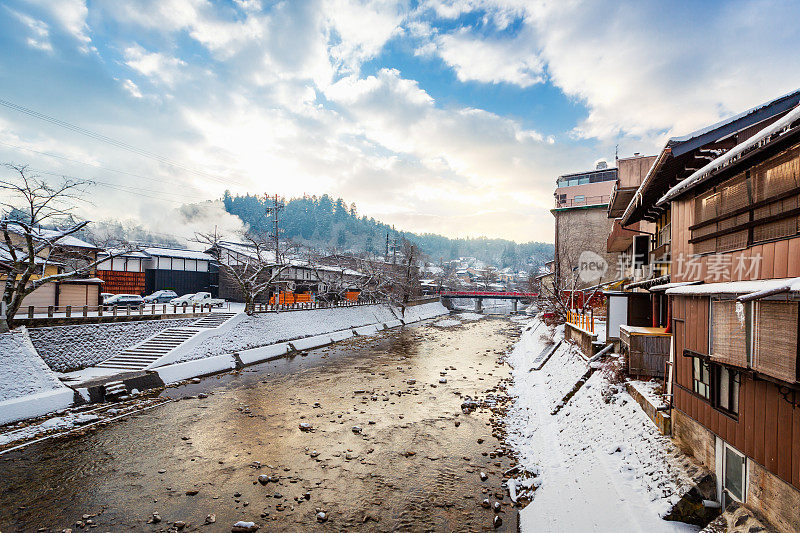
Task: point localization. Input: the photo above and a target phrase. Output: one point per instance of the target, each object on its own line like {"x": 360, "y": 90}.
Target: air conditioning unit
{"x": 290, "y": 286}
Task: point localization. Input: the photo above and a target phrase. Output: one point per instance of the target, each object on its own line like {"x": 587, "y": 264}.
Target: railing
{"x": 587, "y": 200}
{"x": 496, "y": 294}
{"x": 664, "y": 235}
{"x": 581, "y": 320}
{"x": 69, "y": 311}
{"x": 319, "y": 304}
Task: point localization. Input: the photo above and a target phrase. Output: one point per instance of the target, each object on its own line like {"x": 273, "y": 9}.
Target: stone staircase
{"x": 213, "y": 320}
{"x": 149, "y": 351}
{"x": 140, "y": 356}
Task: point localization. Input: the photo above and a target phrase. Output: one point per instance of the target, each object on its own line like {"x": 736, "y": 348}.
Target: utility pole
{"x": 273, "y": 211}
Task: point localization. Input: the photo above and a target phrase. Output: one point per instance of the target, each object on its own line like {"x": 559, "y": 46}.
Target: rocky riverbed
{"x": 399, "y": 431}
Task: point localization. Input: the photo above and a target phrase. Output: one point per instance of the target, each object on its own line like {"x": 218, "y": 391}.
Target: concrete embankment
{"x": 243, "y": 340}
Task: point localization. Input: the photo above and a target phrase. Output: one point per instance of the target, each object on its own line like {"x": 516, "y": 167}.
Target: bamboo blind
{"x": 769, "y": 179}
{"x": 775, "y": 350}
{"x": 728, "y": 337}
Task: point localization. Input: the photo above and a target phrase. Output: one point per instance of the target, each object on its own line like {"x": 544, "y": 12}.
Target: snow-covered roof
{"x": 268, "y": 256}
{"x": 762, "y": 137}
{"x": 699, "y": 137}
{"x": 729, "y": 120}
{"x": 665, "y": 286}
{"x": 736, "y": 287}
{"x": 154, "y": 251}
{"x": 53, "y": 234}
{"x": 118, "y": 252}
{"x": 5, "y": 255}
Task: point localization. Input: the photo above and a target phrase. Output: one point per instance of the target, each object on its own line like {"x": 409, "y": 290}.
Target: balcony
{"x": 620, "y": 198}
{"x": 619, "y": 239}
{"x": 582, "y": 201}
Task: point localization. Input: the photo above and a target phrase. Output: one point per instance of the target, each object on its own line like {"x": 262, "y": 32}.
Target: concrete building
{"x": 582, "y": 224}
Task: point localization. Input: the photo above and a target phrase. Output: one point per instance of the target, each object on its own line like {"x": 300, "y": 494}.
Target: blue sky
{"x": 452, "y": 117}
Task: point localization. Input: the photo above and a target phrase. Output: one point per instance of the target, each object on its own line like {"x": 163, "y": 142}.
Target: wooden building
{"x": 734, "y": 297}
{"x": 123, "y": 274}
{"x": 155, "y": 268}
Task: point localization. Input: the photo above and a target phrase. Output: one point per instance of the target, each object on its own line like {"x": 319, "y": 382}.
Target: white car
{"x": 198, "y": 298}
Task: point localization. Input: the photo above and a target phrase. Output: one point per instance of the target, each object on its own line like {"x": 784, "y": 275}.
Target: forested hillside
{"x": 327, "y": 222}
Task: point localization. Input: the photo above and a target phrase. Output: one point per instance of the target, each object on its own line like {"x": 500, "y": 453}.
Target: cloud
{"x": 156, "y": 66}
{"x": 132, "y": 88}
{"x": 38, "y": 32}
{"x": 70, "y": 15}
{"x": 362, "y": 28}
{"x": 511, "y": 60}
{"x": 644, "y": 73}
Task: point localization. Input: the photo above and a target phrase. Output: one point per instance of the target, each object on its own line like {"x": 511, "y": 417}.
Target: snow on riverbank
{"x": 604, "y": 466}
{"x": 22, "y": 371}
{"x": 265, "y": 329}
{"x": 28, "y": 387}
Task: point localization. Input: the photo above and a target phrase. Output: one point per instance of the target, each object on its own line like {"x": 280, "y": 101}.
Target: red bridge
{"x": 491, "y": 295}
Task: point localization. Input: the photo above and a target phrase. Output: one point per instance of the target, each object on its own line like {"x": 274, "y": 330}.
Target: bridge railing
{"x": 495, "y": 294}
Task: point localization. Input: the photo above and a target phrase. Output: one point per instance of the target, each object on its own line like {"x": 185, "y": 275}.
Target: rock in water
{"x": 497, "y": 522}
{"x": 321, "y": 516}
{"x": 263, "y": 479}
{"x": 496, "y": 507}
{"x": 155, "y": 519}
{"x": 244, "y": 527}
{"x": 356, "y": 429}
{"x": 486, "y": 504}
{"x": 305, "y": 426}
{"x": 210, "y": 519}
{"x": 484, "y": 477}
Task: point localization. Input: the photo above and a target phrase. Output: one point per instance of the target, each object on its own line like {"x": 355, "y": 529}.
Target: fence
{"x": 68, "y": 311}
{"x": 581, "y": 320}
{"x": 272, "y": 307}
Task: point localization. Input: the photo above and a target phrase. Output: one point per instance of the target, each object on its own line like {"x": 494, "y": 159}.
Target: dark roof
{"x": 682, "y": 156}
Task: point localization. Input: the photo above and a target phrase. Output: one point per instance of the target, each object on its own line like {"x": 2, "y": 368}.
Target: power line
{"x": 94, "y": 165}
{"x": 108, "y": 140}
{"x": 126, "y": 188}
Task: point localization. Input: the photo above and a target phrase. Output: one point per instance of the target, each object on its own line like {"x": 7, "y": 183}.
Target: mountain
{"x": 325, "y": 222}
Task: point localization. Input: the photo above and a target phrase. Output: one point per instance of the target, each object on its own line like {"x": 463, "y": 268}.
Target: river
{"x": 388, "y": 447}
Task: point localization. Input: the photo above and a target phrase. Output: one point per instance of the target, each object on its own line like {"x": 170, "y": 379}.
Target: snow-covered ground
{"x": 603, "y": 466}
{"x": 22, "y": 371}
{"x": 28, "y": 388}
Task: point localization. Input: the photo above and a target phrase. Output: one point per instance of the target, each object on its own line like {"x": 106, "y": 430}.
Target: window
{"x": 733, "y": 475}
{"x": 579, "y": 198}
{"x": 718, "y": 384}
{"x": 728, "y": 335}
{"x": 726, "y": 389}
{"x": 701, "y": 378}
{"x": 775, "y": 335}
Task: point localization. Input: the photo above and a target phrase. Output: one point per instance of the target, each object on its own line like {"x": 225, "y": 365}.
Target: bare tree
{"x": 29, "y": 250}
{"x": 488, "y": 276}
{"x": 252, "y": 264}
{"x": 446, "y": 276}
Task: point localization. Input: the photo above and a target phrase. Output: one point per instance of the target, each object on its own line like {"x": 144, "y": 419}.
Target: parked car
{"x": 160, "y": 297}
{"x": 124, "y": 300}
{"x": 105, "y": 296}
{"x": 198, "y": 298}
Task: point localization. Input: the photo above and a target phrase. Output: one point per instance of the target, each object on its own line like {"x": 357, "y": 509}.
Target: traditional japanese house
{"x": 734, "y": 299}
{"x": 653, "y": 258}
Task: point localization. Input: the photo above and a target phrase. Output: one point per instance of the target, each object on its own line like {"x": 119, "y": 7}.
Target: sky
{"x": 451, "y": 117}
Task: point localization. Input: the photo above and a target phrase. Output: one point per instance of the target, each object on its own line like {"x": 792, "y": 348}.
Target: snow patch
{"x": 604, "y": 466}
